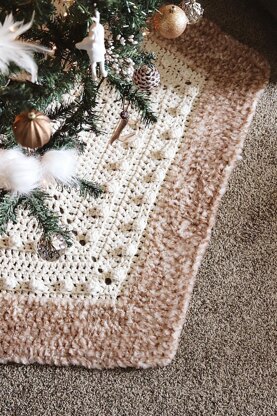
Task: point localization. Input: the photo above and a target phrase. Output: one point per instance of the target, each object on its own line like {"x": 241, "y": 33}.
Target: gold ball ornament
{"x": 170, "y": 21}
{"x": 32, "y": 129}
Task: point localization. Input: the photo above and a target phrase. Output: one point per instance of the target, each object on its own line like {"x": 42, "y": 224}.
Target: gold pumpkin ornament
{"x": 32, "y": 129}
{"x": 170, "y": 21}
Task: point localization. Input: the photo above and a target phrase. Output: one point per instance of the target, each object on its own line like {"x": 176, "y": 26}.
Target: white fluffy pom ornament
{"x": 60, "y": 165}
{"x": 23, "y": 174}
{"x": 19, "y": 173}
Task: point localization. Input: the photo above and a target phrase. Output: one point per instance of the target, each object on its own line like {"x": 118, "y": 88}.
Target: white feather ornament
{"x": 19, "y": 52}
{"x": 19, "y": 173}
{"x": 60, "y": 165}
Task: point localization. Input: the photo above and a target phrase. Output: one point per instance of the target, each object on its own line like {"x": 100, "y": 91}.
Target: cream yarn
{"x": 109, "y": 230}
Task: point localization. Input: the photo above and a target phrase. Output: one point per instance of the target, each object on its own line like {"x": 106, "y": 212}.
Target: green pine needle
{"x": 8, "y": 207}
{"x": 48, "y": 221}
{"x": 88, "y": 188}
{"x": 69, "y": 67}
{"x": 59, "y": 75}
{"x": 139, "y": 99}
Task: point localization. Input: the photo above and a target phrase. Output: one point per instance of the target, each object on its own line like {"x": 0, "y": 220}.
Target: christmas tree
{"x": 39, "y": 92}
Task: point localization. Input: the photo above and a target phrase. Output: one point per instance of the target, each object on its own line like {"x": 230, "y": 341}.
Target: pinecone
{"x": 193, "y": 10}
{"x": 147, "y": 77}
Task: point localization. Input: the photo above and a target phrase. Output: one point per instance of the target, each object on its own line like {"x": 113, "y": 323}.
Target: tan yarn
{"x": 108, "y": 231}
{"x": 138, "y": 322}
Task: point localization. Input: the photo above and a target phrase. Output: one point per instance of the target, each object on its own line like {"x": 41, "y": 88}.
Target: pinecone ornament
{"x": 193, "y": 10}
{"x": 147, "y": 77}
{"x": 47, "y": 251}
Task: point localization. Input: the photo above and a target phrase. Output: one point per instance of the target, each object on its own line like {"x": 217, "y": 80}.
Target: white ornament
{"x": 16, "y": 51}
{"x": 60, "y": 165}
{"x": 23, "y": 174}
{"x": 19, "y": 173}
{"x": 94, "y": 45}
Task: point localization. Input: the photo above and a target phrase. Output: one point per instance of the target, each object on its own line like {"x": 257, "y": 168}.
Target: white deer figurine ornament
{"x": 94, "y": 44}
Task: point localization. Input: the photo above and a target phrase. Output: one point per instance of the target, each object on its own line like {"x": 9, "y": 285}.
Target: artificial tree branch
{"x": 8, "y": 206}
{"x": 48, "y": 221}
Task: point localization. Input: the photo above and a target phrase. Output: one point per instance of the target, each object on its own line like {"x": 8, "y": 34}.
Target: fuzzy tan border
{"x": 143, "y": 329}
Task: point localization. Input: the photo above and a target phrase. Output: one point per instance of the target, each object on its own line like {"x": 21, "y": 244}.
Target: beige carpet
{"x": 225, "y": 361}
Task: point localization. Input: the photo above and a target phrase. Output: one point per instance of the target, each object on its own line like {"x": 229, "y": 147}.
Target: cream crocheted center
{"x": 108, "y": 230}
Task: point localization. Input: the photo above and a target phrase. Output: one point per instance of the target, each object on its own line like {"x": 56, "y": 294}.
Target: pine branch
{"x": 139, "y": 99}
{"x": 69, "y": 66}
{"x": 36, "y": 203}
{"x": 86, "y": 188}
{"x": 48, "y": 221}
{"x": 8, "y": 206}
{"x": 60, "y": 74}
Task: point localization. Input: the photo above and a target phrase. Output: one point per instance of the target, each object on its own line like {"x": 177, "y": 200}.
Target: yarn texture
{"x": 119, "y": 296}
{"x": 108, "y": 230}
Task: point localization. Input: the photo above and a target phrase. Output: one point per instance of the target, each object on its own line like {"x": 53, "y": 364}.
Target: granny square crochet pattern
{"x": 119, "y": 296}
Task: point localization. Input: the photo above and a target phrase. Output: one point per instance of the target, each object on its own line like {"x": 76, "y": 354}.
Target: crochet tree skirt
{"x": 119, "y": 296}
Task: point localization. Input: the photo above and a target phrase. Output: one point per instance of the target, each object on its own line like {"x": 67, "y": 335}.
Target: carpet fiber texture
{"x": 225, "y": 362}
